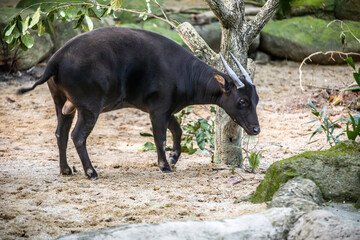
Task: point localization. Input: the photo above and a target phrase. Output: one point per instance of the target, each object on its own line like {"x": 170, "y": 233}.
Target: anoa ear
{"x": 224, "y": 86}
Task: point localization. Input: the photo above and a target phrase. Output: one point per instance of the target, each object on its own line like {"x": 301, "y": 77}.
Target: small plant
{"x": 326, "y": 124}
{"x": 200, "y": 131}
{"x": 356, "y": 75}
{"x": 355, "y": 123}
{"x": 253, "y": 156}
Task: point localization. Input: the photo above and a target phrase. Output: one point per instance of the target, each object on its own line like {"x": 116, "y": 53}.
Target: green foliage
{"x": 198, "y": 135}
{"x": 326, "y": 124}
{"x": 355, "y": 124}
{"x": 253, "y": 158}
{"x": 252, "y": 155}
{"x": 17, "y": 33}
{"x": 356, "y": 75}
{"x": 39, "y": 15}
{"x": 200, "y": 131}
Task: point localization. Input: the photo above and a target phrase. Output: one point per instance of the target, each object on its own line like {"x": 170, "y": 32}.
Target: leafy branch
{"x": 17, "y": 33}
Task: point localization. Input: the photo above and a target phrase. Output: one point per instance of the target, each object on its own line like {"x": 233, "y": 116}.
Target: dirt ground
{"x": 36, "y": 202}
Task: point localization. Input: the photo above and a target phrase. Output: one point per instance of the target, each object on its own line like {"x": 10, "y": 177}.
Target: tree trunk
{"x": 237, "y": 35}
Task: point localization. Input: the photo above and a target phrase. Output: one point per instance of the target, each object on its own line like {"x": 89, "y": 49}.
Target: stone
{"x": 304, "y": 7}
{"x": 298, "y": 37}
{"x": 348, "y": 9}
{"x": 322, "y": 224}
{"x": 211, "y": 33}
{"x": 299, "y": 193}
{"x": 64, "y": 31}
{"x": 335, "y": 171}
{"x": 23, "y": 59}
{"x": 262, "y": 57}
{"x": 274, "y": 223}
{"x": 158, "y": 27}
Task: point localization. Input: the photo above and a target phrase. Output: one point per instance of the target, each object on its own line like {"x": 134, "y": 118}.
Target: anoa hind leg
{"x": 65, "y": 119}
{"x": 176, "y": 131}
{"x": 84, "y": 125}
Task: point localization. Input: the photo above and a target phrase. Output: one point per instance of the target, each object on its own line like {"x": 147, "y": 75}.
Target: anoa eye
{"x": 243, "y": 101}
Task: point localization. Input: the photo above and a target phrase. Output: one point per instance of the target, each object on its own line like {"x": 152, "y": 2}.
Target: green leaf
{"x": 49, "y": 21}
{"x": 149, "y": 146}
{"x": 357, "y": 78}
{"x": 312, "y": 121}
{"x": 350, "y": 61}
{"x": 146, "y": 134}
{"x": 41, "y": 28}
{"x": 35, "y": 18}
{"x": 79, "y": 22}
{"x": 89, "y": 23}
{"x": 353, "y": 89}
{"x": 316, "y": 131}
{"x": 25, "y": 25}
{"x": 116, "y": 4}
{"x": 9, "y": 39}
{"x": 322, "y": 112}
{"x": 200, "y": 139}
{"x": 27, "y": 40}
{"x": 92, "y": 14}
{"x": 10, "y": 29}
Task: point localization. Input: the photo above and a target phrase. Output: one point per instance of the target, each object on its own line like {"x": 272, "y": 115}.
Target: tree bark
{"x": 237, "y": 35}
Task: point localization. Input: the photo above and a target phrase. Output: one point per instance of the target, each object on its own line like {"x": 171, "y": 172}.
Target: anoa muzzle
{"x": 112, "y": 68}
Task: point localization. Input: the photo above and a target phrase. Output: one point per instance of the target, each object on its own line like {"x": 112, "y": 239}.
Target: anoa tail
{"x": 49, "y": 72}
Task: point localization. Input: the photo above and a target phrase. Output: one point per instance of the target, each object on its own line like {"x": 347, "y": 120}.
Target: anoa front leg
{"x": 159, "y": 124}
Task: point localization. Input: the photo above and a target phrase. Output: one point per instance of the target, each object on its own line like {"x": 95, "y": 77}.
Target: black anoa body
{"x": 113, "y": 68}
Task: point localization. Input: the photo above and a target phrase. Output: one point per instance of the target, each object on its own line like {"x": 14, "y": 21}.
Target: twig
{"x": 324, "y": 53}
{"x": 343, "y": 32}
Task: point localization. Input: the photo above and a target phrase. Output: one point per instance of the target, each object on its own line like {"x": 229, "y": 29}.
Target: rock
{"x": 24, "y": 59}
{"x": 255, "y": 44}
{"x": 335, "y": 171}
{"x": 158, "y": 27}
{"x": 322, "y": 224}
{"x": 211, "y": 33}
{"x": 298, "y": 37}
{"x": 299, "y": 193}
{"x": 271, "y": 224}
{"x": 304, "y": 7}
{"x": 262, "y": 57}
{"x": 64, "y": 31}
{"x": 348, "y": 9}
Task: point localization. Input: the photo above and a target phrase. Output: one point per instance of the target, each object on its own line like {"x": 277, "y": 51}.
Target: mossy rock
{"x": 298, "y": 37}
{"x": 304, "y": 7}
{"x": 348, "y": 9}
{"x": 157, "y": 27}
{"x": 335, "y": 171}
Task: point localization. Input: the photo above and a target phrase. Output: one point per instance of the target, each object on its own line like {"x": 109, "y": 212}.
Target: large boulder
{"x": 23, "y": 59}
{"x": 298, "y": 193}
{"x": 335, "y": 171}
{"x": 271, "y": 224}
{"x": 322, "y": 224}
{"x": 298, "y": 37}
{"x": 304, "y": 7}
{"x": 348, "y": 9}
{"x": 64, "y": 31}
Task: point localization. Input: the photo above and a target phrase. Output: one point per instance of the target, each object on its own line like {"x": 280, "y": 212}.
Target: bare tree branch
{"x": 196, "y": 43}
{"x": 308, "y": 58}
{"x": 265, "y": 14}
{"x": 228, "y": 15}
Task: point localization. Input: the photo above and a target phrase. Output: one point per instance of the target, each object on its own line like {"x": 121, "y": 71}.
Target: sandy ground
{"x": 36, "y": 202}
